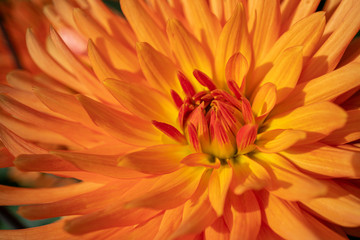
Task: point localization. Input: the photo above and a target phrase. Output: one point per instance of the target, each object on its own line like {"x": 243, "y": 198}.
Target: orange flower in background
{"x": 189, "y": 120}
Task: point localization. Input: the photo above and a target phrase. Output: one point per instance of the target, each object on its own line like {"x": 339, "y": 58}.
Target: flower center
{"x": 214, "y": 121}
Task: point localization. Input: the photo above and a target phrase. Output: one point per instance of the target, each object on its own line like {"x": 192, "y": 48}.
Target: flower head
{"x": 190, "y": 120}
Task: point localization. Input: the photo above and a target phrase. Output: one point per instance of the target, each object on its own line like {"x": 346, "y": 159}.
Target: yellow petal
{"x": 188, "y": 50}
{"x": 125, "y": 127}
{"x": 204, "y": 23}
{"x": 201, "y": 159}
{"x": 317, "y": 120}
{"x": 325, "y": 160}
{"x": 144, "y": 26}
{"x": 286, "y": 218}
{"x": 306, "y": 33}
{"x": 143, "y": 101}
{"x": 266, "y": 27}
{"x": 349, "y": 133}
{"x": 234, "y": 38}
{"x": 289, "y": 183}
{"x": 247, "y": 175}
{"x": 264, "y": 101}
{"x": 170, "y": 190}
{"x": 285, "y": 72}
{"x": 101, "y": 67}
{"x": 159, "y": 70}
{"x": 338, "y": 206}
{"x": 245, "y": 216}
{"x": 236, "y": 69}
{"x": 218, "y": 187}
{"x": 278, "y": 140}
{"x": 331, "y": 51}
{"x": 303, "y": 9}
{"x": 324, "y": 88}
{"x": 159, "y": 159}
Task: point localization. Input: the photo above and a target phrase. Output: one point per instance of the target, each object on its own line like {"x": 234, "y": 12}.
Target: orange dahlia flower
{"x": 189, "y": 120}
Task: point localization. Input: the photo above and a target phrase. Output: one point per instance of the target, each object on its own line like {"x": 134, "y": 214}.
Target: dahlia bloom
{"x": 189, "y": 120}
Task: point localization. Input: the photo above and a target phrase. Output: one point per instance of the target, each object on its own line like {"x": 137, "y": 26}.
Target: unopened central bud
{"x": 215, "y": 121}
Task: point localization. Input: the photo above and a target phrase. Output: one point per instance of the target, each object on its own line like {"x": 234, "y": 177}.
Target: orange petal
{"x": 325, "y": 231}
{"x": 265, "y": 32}
{"x": 120, "y": 56}
{"x": 158, "y": 69}
{"x": 16, "y": 145}
{"x": 218, "y": 188}
{"x": 325, "y": 160}
{"x": 170, "y": 190}
{"x": 278, "y": 140}
{"x": 104, "y": 165}
{"x": 72, "y": 130}
{"x": 245, "y": 138}
{"x": 82, "y": 73}
{"x": 146, "y": 230}
{"x": 200, "y": 214}
{"x": 289, "y": 183}
{"x": 159, "y": 159}
{"x": 236, "y": 69}
{"x": 64, "y": 104}
{"x": 338, "y": 206}
{"x": 247, "y": 175}
{"x": 204, "y": 23}
{"x": 142, "y": 101}
{"x": 144, "y": 25}
{"x": 170, "y": 221}
{"x": 48, "y": 65}
{"x": 50, "y": 231}
{"x": 113, "y": 216}
{"x": 125, "y": 127}
{"x": 264, "y": 101}
{"x": 303, "y": 9}
{"x": 306, "y": 33}
{"x": 349, "y": 133}
{"x": 218, "y": 230}
{"x": 6, "y": 158}
{"x": 22, "y": 196}
{"x": 245, "y": 216}
{"x": 317, "y": 120}
{"x": 101, "y": 67}
{"x": 80, "y": 204}
{"x": 286, "y": 218}
{"x": 285, "y": 72}
{"x": 324, "y": 88}
{"x": 43, "y": 163}
{"x": 234, "y": 38}
{"x": 266, "y": 233}
{"x": 201, "y": 159}
{"x": 188, "y": 50}
{"x": 346, "y": 26}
